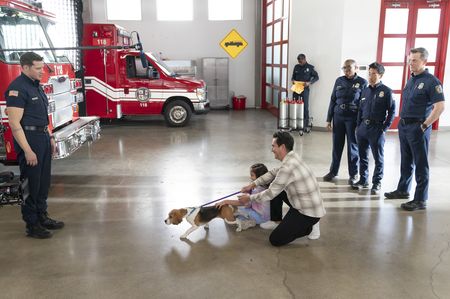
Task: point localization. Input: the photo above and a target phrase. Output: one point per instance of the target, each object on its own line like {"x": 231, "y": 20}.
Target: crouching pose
{"x": 296, "y": 184}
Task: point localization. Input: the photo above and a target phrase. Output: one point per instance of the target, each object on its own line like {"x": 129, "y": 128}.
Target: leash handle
{"x": 205, "y": 204}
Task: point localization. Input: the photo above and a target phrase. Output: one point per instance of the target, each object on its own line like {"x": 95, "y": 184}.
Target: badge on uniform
{"x": 13, "y": 93}
{"x": 381, "y": 94}
{"x": 421, "y": 85}
{"x": 438, "y": 88}
{"x": 363, "y": 99}
{"x": 356, "y": 85}
{"x": 307, "y": 69}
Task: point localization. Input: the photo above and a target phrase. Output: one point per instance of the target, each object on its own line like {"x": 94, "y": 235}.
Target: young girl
{"x": 254, "y": 212}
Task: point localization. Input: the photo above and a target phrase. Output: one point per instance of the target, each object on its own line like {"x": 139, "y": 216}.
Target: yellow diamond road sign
{"x": 233, "y": 43}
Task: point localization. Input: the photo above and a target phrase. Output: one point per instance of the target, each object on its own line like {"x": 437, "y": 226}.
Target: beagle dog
{"x": 198, "y": 216}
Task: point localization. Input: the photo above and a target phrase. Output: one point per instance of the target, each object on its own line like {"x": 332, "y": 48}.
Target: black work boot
{"x": 414, "y": 205}
{"x": 396, "y": 194}
{"x": 352, "y": 180}
{"x": 360, "y": 184}
{"x": 37, "y": 231}
{"x": 329, "y": 177}
{"x": 50, "y": 223}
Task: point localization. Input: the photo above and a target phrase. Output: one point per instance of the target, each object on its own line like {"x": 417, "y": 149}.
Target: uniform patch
{"x": 421, "y": 85}
{"x": 381, "y": 94}
{"x": 438, "y": 88}
{"x": 356, "y": 85}
{"x": 13, "y": 93}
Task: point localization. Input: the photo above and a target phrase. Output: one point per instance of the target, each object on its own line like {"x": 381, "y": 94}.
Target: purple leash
{"x": 220, "y": 199}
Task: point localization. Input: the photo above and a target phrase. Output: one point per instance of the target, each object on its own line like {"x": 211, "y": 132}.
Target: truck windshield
{"x": 166, "y": 69}
{"x": 21, "y": 30}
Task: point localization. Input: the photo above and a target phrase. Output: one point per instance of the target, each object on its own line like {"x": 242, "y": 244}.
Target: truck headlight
{"x": 201, "y": 94}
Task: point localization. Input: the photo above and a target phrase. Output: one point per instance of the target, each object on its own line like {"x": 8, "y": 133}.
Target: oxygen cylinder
{"x": 300, "y": 114}
{"x": 283, "y": 117}
{"x": 293, "y": 114}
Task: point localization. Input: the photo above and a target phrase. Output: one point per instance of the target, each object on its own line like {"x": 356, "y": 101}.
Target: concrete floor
{"x": 115, "y": 194}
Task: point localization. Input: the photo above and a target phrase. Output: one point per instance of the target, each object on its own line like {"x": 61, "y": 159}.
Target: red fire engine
{"x": 129, "y": 82}
{"x": 24, "y": 26}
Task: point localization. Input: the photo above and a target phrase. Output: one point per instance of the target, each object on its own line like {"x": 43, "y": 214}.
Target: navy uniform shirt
{"x": 419, "y": 95}
{"x": 305, "y": 73}
{"x": 348, "y": 92}
{"x": 377, "y": 104}
{"x": 27, "y": 94}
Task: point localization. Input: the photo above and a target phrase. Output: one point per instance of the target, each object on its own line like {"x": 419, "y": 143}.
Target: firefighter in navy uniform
{"x": 375, "y": 116}
{"x": 304, "y": 72}
{"x": 28, "y": 118}
{"x": 343, "y": 111}
{"x": 422, "y": 104}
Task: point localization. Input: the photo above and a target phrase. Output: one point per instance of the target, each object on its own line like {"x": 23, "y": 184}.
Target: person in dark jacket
{"x": 343, "y": 112}
{"x": 304, "y": 74}
{"x": 34, "y": 143}
{"x": 375, "y": 116}
{"x": 422, "y": 104}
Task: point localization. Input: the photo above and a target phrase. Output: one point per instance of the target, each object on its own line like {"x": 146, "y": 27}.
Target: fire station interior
{"x": 115, "y": 193}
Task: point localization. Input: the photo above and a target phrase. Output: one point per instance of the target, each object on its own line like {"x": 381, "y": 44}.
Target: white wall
{"x": 194, "y": 39}
{"x": 328, "y": 32}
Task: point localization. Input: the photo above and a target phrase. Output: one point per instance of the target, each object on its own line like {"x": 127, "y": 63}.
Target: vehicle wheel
{"x": 177, "y": 114}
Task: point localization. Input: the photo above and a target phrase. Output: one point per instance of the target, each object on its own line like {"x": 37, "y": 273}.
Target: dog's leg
{"x": 190, "y": 230}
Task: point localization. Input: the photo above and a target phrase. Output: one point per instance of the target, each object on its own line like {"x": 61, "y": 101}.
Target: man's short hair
{"x": 423, "y": 52}
{"x": 378, "y": 67}
{"x": 29, "y": 57}
{"x": 350, "y": 61}
{"x": 284, "y": 138}
{"x": 301, "y": 56}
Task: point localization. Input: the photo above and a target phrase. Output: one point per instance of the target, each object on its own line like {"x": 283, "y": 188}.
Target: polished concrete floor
{"x": 115, "y": 194}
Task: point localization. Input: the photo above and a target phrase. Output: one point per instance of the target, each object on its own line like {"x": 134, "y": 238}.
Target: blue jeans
{"x": 252, "y": 214}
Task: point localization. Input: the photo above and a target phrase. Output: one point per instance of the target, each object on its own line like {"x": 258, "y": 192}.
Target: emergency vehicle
{"x": 122, "y": 82}
{"x": 26, "y": 26}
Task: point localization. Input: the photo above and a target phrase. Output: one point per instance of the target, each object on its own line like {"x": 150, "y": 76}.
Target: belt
{"x": 372, "y": 121}
{"x": 348, "y": 106}
{"x": 407, "y": 121}
{"x": 42, "y": 129}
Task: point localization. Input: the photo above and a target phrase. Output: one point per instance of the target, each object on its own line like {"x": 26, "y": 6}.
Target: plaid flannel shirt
{"x": 299, "y": 182}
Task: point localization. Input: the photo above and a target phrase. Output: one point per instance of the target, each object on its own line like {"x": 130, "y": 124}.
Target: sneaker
{"x": 38, "y": 232}
{"x": 375, "y": 187}
{"x": 269, "y": 225}
{"x": 329, "y": 177}
{"x": 396, "y": 194}
{"x": 352, "y": 180}
{"x": 50, "y": 223}
{"x": 414, "y": 205}
{"x": 315, "y": 233}
{"x": 360, "y": 184}
{"x": 245, "y": 224}
{"x": 307, "y": 130}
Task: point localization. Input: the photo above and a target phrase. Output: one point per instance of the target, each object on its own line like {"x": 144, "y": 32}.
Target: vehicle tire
{"x": 177, "y": 114}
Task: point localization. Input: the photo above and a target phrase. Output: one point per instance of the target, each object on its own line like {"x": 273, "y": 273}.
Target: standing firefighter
{"x": 28, "y": 118}
{"x": 303, "y": 76}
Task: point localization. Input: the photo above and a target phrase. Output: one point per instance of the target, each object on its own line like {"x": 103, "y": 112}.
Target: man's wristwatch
{"x": 423, "y": 127}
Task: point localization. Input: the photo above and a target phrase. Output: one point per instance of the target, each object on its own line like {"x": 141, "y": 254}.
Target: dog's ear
{"x": 176, "y": 216}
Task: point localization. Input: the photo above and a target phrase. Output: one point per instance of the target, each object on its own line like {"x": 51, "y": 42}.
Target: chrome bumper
{"x": 201, "y": 107}
{"x": 73, "y": 136}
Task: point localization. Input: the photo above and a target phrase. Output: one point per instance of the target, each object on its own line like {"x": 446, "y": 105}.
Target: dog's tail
{"x": 230, "y": 222}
